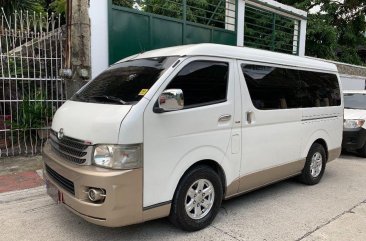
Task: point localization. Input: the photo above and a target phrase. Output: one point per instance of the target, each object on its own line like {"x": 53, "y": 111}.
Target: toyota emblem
{"x": 60, "y": 134}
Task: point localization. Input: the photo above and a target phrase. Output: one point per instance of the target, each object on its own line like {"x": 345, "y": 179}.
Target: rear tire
{"x": 314, "y": 166}
{"x": 197, "y": 199}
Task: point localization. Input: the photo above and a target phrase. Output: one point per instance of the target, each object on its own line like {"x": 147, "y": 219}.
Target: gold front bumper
{"x": 123, "y": 203}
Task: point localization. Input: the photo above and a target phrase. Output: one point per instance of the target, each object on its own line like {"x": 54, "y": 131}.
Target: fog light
{"x": 96, "y": 195}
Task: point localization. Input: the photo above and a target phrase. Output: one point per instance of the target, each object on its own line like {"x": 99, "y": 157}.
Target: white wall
{"x": 240, "y": 22}
{"x": 98, "y": 13}
{"x": 302, "y": 40}
{"x": 353, "y": 82}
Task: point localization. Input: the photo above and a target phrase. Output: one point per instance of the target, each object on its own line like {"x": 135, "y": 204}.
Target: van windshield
{"x": 125, "y": 83}
{"x": 355, "y": 101}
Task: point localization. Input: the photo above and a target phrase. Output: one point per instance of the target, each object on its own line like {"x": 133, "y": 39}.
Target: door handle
{"x": 225, "y": 118}
{"x": 249, "y": 117}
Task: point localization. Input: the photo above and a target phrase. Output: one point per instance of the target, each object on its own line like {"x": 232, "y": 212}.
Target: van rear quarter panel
{"x": 322, "y": 123}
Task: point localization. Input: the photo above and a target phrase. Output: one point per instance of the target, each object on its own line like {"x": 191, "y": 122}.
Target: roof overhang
{"x": 279, "y": 8}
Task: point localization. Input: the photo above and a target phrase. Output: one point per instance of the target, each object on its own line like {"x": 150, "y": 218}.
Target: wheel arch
{"x": 210, "y": 164}
{"x": 321, "y": 137}
{"x": 323, "y": 143}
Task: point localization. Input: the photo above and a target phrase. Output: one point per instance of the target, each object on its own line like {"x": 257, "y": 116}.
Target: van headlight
{"x": 351, "y": 124}
{"x": 118, "y": 156}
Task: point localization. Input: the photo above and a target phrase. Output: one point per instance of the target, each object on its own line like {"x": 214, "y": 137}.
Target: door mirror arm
{"x": 157, "y": 109}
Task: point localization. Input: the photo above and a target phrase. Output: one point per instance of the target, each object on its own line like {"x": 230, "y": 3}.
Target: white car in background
{"x": 354, "y": 132}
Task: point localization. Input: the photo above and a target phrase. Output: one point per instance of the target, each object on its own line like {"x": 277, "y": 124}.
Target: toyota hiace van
{"x": 173, "y": 132}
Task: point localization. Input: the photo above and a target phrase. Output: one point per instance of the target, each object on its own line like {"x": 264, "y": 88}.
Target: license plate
{"x": 53, "y": 192}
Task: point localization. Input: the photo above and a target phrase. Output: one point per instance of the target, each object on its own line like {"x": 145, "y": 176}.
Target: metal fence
{"x": 267, "y": 30}
{"x": 31, "y": 55}
{"x": 214, "y": 13}
{"x": 137, "y": 26}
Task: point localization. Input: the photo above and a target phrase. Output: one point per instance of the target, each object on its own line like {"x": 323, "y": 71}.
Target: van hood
{"x": 354, "y": 114}
{"x": 92, "y": 122}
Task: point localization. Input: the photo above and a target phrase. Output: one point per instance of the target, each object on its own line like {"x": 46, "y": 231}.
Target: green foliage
{"x": 123, "y": 3}
{"x": 266, "y": 30}
{"x": 207, "y": 12}
{"x": 321, "y": 39}
{"x": 33, "y": 113}
{"x": 12, "y": 71}
{"x": 349, "y": 55}
{"x": 26, "y": 5}
{"x": 172, "y": 9}
{"x": 38, "y": 6}
{"x": 335, "y": 30}
{"x": 58, "y": 6}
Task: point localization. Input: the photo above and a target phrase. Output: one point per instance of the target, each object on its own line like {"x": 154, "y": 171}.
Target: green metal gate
{"x": 138, "y": 26}
{"x": 268, "y": 30}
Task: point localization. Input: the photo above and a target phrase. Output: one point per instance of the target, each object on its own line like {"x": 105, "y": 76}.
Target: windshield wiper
{"x": 110, "y": 98}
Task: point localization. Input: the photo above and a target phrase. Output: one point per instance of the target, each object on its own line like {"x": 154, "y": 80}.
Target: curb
{"x": 25, "y": 194}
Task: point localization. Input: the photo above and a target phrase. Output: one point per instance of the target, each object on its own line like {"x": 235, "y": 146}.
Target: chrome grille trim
{"x": 67, "y": 149}
{"x": 72, "y": 142}
{"x": 70, "y": 149}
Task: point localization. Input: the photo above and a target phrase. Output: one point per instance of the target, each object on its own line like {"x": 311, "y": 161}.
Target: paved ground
{"x": 333, "y": 210}
{"x": 18, "y": 173}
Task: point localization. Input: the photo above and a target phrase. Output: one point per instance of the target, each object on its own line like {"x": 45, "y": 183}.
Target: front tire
{"x": 197, "y": 199}
{"x": 314, "y": 166}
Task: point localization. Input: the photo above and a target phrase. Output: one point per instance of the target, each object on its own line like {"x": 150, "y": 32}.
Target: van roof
{"x": 243, "y": 53}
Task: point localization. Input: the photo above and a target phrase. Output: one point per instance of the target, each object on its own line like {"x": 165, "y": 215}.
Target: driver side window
{"x": 202, "y": 82}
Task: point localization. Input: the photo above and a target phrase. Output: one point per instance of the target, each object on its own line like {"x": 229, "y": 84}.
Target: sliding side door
{"x": 271, "y": 130}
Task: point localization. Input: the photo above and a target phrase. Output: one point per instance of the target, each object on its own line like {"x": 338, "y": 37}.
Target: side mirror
{"x": 170, "y": 100}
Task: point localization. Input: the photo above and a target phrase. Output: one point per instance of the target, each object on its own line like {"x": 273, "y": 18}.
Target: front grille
{"x": 62, "y": 181}
{"x": 69, "y": 148}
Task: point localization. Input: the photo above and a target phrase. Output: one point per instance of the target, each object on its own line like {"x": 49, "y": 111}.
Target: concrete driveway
{"x": 335, "y": 209}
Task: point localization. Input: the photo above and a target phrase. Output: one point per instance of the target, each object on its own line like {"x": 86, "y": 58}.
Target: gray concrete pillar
{"x": 78, "y": 56}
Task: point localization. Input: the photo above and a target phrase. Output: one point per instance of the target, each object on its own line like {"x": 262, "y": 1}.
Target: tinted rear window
{"x": 283, "y": 88}
{"x": 319, "y": 89}
{"x": 272, "y": 87}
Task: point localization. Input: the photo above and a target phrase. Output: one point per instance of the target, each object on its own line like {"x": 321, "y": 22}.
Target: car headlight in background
{"x": 118, "y": 156}
{"x": 351, "y": 124}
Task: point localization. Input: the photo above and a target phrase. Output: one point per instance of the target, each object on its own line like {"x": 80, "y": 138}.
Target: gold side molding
{"x": 156, "y": 212}
{"x": 263, "y": 178}
{"x": 334, "y": 154}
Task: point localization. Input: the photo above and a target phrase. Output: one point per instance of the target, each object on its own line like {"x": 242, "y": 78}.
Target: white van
{"x": 173, "y": 132}
{"x": 354, "y": 133}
